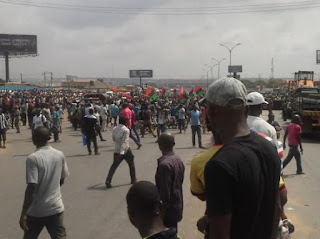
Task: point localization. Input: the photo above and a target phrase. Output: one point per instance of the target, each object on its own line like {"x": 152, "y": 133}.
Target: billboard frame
{"x": 318, "y": 57}
{"x": 17, "y": 45}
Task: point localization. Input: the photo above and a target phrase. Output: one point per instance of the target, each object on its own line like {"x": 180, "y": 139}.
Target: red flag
{"x": 126, "y": 96}
{"x": 175, "y": 88}
{"x": 163, "y": 90}
{"x": 181, "y": 91}
{"x": 148, "y": 91}
{"x": 197, "y": 89}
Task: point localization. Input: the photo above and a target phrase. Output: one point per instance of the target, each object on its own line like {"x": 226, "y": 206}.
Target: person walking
{"x": 161, "y": 120}
{"x": 89, "y": 130}
{"x": 169, "y": 179}
{"x": 293, "y": 133}
{"x": 3, "y": 130}
{"x": 242, "y": 179}
{"x": 16, "y": 115}
{"x": 46, "y": 170}
{"x": 147, "y": 122}
{"x": 56, "y": 123}
{"x": 182, "y": 119}
{"x": 196, "y": 126}
{"x": 122, "y": 151}
{"x": 114, "y": 113}
{"x": 104, "y": 116}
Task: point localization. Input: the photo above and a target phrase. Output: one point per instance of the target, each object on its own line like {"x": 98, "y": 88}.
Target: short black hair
{"x": 41, "y": 135}
{"x": 143, "y": 197}
{"x": 122, "y": 120}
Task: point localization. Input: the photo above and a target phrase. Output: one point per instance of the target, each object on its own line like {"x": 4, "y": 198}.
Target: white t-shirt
{"x": 39, "y": 121}
{"x": 103, "y": 112}
{"x": 262, "y": 126}
{"x": 161, "y": 117}
{"x": 46, "y": 167}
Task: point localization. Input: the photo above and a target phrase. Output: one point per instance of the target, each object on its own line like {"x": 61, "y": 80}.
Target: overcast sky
{"x": 106, "y": 45}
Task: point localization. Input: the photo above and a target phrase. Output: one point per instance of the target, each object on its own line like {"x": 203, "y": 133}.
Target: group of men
{"x": 238, "y": 177}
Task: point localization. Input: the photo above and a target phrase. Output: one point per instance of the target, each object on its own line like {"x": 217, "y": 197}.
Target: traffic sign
{"x": 235, "y": 69}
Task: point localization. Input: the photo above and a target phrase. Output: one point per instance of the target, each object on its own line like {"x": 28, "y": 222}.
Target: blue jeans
{"x": 293, "y": 152}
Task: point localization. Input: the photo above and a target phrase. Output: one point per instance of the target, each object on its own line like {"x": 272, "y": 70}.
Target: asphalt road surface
{"x": 93, "y": 212}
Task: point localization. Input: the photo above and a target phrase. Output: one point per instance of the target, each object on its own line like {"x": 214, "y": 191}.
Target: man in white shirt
{"x": 46, "y": 170}
{"x": 122, "y": 151}
{"x": 103, "y": 115}
{"x": 39, "y": 120}
{"x": 255, "y": 100}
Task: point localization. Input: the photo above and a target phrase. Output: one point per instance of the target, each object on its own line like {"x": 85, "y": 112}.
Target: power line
{"x": 173, "y": 11}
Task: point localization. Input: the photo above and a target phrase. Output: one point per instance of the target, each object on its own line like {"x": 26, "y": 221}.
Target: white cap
{"x": 255, "y": 98}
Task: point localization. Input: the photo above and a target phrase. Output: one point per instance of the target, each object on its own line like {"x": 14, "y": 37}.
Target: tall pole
{"x": 230, "y": 51}
{"x": 21, "y": 78}
{"x": 6, "y": 56}
{"x": 51, "y": 78}
{"x": 207, "y": 79}
{"x": 219, "y": 62}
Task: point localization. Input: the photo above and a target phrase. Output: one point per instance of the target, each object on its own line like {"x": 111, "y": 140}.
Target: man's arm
{"x": 124, "y": 137}
{"x": 300, "y": 142}
{"x": 164, "y": 186}
{"x": 285, "y": 138}
{"x": 28, "y": 199}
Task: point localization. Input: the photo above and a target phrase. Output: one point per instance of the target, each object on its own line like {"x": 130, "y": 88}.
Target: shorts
{"x": 3, "y": 134}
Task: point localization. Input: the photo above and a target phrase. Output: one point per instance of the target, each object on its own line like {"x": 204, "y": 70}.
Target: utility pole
{"x": 51, "y": 78}
{"x": 6, "y": 57}
{"x": 45, "y": 79}
{"x": 21, "y": 78}
{"x": 272, "y": 69}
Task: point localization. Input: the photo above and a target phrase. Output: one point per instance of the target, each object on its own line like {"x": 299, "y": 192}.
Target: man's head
{"x": 90, "y": 111}
{"x": 226, "y": 104}
{"x": 144, "y": 205}
{"x": 271, "y": 117}
{"x": 122, "y": 120}
{"x": 166, "y": 142}
{"x": 124, "y": 105}
{"x": 255, "y": 101}
{"x": 40, "y": 136}
{"x": 296, "y": 119}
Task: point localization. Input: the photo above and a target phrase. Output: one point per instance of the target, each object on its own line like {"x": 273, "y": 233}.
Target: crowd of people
{"x": 238, "y": 176}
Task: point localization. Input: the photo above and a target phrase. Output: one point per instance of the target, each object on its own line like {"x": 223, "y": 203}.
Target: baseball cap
{"x": 255, "y": 98}
{"x": 227, "y": 92}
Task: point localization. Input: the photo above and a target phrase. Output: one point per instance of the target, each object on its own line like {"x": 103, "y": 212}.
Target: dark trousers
{"x": 182, "y": 124}
{"x": 55, "y": 131}
{"x": 134, "y": 129}
{"x": 54, "y": 225}
{"x": 17, "y": 125}
{"x": 24, "y": 118}
{"x": 196, "y": 129}
{"x": 136, "y": 140}
{"x": 3, "y": 135}
{"x": 170, "y": 222}
{"x": 293, "y": 152}
{"x": 92, "y": 139}
{"x": 129, "y": 158}
{"x": 161, "y": 128}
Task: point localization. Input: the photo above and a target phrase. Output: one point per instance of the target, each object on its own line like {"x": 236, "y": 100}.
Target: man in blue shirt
{"x": 196, "y": 126}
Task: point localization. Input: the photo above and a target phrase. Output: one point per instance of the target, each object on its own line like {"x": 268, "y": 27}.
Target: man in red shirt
{"x": 293, "y": 132}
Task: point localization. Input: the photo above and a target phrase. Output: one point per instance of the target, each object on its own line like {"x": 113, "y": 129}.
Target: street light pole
{"x": 211, "y": 67}
{"x": 230, "y": 50}
{"x": 219, "y": 62}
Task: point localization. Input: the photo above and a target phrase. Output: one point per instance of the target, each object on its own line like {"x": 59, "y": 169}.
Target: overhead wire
{"x": 253, "y": 8}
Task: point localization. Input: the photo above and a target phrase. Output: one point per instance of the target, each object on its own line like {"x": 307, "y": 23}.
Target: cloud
{"x": 89, "y": 44}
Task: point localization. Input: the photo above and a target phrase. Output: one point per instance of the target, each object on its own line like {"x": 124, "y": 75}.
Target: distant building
{"x": 86, "y": 83}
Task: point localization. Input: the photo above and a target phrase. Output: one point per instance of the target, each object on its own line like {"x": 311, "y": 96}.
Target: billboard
{"x": 235, "y": 69}
{"x": 141, "y": 73}
{"x": 318, "y": 56}
{"x": 18, "y": 45}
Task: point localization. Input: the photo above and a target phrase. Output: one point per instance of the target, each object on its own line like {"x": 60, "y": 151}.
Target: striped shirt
{"x": 120, "y": 136}
{"x": 3, "y": 122}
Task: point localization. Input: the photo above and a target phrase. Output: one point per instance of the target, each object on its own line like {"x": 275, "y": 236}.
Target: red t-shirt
{"x": 294, "y": 130}
{"x": 126, "y": 113}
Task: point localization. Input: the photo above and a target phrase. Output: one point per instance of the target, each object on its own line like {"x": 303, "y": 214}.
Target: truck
{"x": 305, "y": 101}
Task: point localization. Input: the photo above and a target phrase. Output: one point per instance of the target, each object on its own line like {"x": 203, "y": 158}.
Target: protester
{"x": 256, "y": 101}
{"x": 122, "y": 151}
{"x": 39, "y": 120}
{"x": 56, "y": 123}
{"x": 293, "y": 133}
{"x": 144, "y": 211}
{"x": 182, "y": 119}
{"x": 169, "y": 179}
{"x": 196, "y": 126}
{"x": 147, "y": 122}
{"x": 89, "y": 130}
{"x": 244, "y": 174}
{"x": 3, "y": 130}
{"x": 46, "y": 171}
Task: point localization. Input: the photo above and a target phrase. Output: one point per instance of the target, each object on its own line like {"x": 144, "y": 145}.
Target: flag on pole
{"x": 153, "y": 97}
{"x": 183, "y": 95}
{"x": 191, "y": 94}
{"x": 199, "y": 91}
{"x": 148, "y": 91}
{"x": 162, "y": 92}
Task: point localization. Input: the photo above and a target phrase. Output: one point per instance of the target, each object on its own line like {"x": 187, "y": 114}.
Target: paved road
{"x": 94, "y": 212}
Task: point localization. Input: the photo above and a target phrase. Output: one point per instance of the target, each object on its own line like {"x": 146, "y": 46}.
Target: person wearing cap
{"x": 256, "y": 101}
{"x": 242, "y": 179}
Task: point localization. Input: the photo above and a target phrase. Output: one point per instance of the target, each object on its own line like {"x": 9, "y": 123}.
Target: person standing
{"x": 122, "y": 151}
{"x": 293, "y": 133}
{"x": 242, "y": 178}
{"x": 56, "y": 123}
{"x": 169, "y": 179}
{"x": 147, "y": 124}
{"x": 114, "y": 113}
{"x": 256, "y": 101}
{"x": 39, "y": 120}
{"x": 16, "y": 115}
{"x": 161, "y": 120}
{"x": 196, "y": 126}
{"x": 182, "y": 119}
{"x": 89, "y": 130}
{"x": 104, "y": 116}
{"x": 46, "y": 170}
{"x": 3, "y": 130}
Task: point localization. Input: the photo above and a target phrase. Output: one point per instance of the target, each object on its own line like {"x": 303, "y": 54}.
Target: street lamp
{"x": 207, "y": 77}
{"x": 230, "y": 50}
{"x": 210, "y": 67}
{"x": 218, "y": 61}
